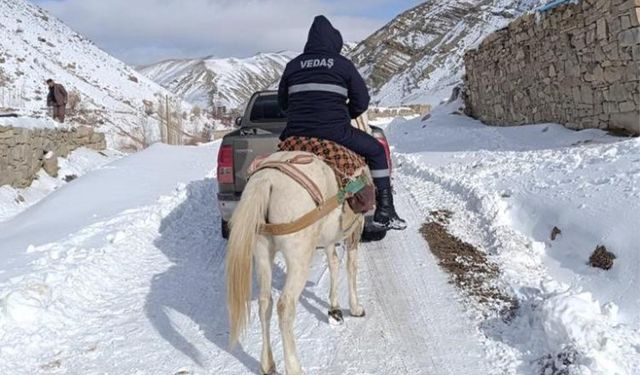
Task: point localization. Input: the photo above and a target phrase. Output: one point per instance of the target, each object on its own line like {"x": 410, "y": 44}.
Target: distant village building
{"x": 218, "y": 106}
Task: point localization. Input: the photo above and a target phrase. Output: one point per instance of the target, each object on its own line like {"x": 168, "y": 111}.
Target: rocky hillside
{"x": 35, "y": 46}
{"x": 418, "y": 56}
{"x": 218, "y": 82}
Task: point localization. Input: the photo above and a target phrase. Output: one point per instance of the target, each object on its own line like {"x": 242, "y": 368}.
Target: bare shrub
{"x": 196, "y": 111}
{"x": 87, "y": 117}
{"x": 144, "y": 133}
{"x": 602, "y": 258}
{"x": 148, "y": 107}
{"x": 555, "y": 232}
{"x": 73, "y": 102}
{"x": 203, "y": 137}
{"x": 4, "y": 78}
{"x": 172, "y": 119}
{"x": 560, "y": 364}
{"x": 6, "y": 94}
{"x": 130, "y": 147}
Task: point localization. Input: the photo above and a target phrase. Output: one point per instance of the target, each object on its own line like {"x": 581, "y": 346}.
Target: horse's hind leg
{"x": 334, "y": 266}
{"x": 352, "y": 272}
{"x": 298, "y": 261}
{"x": 264, "y": 264}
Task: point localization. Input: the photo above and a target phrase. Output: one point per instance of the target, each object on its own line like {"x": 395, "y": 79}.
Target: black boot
{"x": 385, "y": 216}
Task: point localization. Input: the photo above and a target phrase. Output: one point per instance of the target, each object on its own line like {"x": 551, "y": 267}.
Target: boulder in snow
{"x": 50, "y": 164}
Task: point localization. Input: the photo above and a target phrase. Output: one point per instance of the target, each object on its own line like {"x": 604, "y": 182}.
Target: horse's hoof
{"x": 272, "y": 371}
{"x": 358, "y": 313}
{"x": 336, "y": 315}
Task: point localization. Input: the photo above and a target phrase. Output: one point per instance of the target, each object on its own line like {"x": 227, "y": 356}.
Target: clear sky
{"x": 145, "y": 31}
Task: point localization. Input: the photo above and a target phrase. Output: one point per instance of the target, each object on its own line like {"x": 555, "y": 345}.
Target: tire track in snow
{"x": 411, "y": 308}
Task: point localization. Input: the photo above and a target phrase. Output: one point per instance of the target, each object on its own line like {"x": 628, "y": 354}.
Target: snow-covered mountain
{"x": 230, "y": 82}
{"x": 35, "y": 46}
{"x": 212, "y": 81}
{"x": 418, "y": 56}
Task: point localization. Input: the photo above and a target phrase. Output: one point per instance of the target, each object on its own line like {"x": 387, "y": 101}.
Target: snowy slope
{"x": 418, "y": 56}
{"x": 212, "y": 81}
{"x": 508, "y": 188}
{"x": 35, "y": 46}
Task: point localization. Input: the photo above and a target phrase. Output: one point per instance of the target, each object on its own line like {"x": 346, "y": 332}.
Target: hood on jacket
{"x": 323, "y": 37}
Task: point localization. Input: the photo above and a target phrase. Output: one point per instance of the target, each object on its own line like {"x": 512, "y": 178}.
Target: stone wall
{"x": 577, "y": 64}
{"x": 23, "y": 152}
{"x": 408, "y": 110}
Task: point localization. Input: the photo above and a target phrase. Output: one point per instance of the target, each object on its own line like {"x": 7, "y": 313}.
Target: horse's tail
{"x": 245, "y": 224}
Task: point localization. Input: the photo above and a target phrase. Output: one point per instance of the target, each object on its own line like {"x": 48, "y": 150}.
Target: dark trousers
{"x": 369, "y": 148}
{"x": 59, "y": 112}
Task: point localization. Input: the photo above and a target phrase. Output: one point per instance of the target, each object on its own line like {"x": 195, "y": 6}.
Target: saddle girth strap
{"x": 323, "y": 208}
{"x": 304, "y": 222}
{"x": 318, "y": 213}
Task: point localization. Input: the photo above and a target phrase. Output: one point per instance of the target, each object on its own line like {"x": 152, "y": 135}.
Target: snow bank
{"x": 79, "y": 162}
{"x": 520, "y": 183}
{"x": 68, "y": 258}
{"x": 133, "y": 181}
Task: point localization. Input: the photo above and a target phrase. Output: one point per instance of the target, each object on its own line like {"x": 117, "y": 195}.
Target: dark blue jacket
{"x": 315, "y": 87}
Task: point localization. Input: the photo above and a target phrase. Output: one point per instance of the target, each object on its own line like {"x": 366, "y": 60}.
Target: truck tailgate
{"x": 247, "y": 146}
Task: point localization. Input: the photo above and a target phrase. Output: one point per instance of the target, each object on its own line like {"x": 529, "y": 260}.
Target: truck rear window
{"x": 266, "y": 109}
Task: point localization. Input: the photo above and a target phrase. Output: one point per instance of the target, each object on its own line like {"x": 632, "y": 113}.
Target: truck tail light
{"x": 387, "y": 152}
{"x": 225, "y": 164}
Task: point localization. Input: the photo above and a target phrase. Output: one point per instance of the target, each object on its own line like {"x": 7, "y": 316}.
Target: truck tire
{"x": 372, "y": 236}
{"x": 224, "y": 229}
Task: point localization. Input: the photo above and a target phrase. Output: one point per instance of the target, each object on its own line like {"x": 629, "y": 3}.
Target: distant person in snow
{"x": 57, "y": 100}
{"x": 321, "y": 91}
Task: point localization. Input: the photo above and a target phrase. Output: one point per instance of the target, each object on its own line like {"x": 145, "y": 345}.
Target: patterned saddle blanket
{"x": 345, "y": 163}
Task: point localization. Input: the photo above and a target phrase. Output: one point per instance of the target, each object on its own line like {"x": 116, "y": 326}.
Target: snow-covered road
{"x": 128, "y": 278}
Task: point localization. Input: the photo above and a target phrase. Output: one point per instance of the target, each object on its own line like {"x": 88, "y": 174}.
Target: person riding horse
{"x": 321, "y": 91}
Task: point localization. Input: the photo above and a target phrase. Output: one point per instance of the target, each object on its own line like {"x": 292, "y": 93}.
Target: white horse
{"x": 272, "y": 197}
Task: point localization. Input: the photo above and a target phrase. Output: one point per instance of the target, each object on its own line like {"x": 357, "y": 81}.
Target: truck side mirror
{"x": 238, "y": 121}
